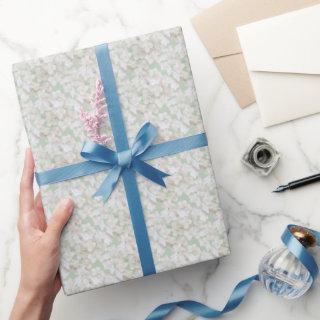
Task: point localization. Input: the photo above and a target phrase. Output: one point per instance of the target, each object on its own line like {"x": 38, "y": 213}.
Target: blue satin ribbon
{"x": 125, "y": 161}
{"x": 87, "y": 168}
{"x": 241, "y": 289}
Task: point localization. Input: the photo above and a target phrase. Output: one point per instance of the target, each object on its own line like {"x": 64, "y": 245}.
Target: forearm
{"x": 32, "y": 306}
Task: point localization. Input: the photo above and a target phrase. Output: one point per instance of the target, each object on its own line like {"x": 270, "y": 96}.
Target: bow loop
{"x": 144, "y": 138}
{"x": 123, "y": 160}
{"x": 98, "y": 153}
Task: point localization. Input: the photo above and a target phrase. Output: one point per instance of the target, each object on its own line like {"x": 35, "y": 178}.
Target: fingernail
{"x": 67, "y": 204}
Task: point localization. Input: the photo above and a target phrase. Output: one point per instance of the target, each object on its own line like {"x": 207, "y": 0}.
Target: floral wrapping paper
{"x": 154, "y": 82}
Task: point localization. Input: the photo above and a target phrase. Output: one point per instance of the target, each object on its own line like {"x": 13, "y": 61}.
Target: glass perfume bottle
{"x": 282, "y": 273}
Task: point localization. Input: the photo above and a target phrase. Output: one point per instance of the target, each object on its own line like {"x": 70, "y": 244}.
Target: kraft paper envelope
{"x": 283, "y": 59}
{"x": 216, "y": 28}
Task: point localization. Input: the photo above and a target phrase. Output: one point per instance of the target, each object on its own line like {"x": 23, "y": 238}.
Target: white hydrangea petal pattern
{"x": 154, "y": 83}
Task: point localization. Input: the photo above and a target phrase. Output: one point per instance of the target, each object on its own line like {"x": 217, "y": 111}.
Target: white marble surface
{"x": 254, "y": 215}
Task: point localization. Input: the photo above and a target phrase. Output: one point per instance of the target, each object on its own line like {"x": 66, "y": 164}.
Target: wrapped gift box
{"x": 142, "y": 227}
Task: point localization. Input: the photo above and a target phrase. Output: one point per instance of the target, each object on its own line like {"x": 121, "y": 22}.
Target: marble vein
{"x": 255, "y": 216}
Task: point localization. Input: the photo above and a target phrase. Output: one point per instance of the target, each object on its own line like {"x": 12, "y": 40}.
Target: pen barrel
{"x": 304, "y": 182}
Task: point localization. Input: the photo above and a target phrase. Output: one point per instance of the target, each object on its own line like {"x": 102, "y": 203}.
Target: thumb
{"x": 60, "y": 217}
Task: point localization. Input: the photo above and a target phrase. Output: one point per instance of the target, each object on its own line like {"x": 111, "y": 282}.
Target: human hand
{"x": 39, "y": 250}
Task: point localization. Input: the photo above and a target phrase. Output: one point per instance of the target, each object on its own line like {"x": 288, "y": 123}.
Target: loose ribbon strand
{"x": 241, "y": 289}
{"x": 201, "y": 310}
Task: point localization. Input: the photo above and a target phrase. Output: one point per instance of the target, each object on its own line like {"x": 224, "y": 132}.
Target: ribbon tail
{"x": 109, "y": 184}
{"x": 150, "y": 172}
{"x": 202, "y": 310}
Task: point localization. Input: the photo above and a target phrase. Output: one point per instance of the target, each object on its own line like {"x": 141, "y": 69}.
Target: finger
{"x": 59, "y": 218}
{"x": 38, "y": 206}
{"x": 26, "y": 184}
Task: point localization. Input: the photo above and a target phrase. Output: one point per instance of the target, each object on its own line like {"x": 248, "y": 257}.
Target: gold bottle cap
{"x": 305, "y": 236}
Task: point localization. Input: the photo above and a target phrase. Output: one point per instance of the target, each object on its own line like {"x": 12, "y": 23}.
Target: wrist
{"x": 32, "y": 304}
{"x": 35, "y": 295}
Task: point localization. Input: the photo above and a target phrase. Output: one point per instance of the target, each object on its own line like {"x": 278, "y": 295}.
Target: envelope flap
{"x": 287, "y": 43}
{"x": 217, "y": 25}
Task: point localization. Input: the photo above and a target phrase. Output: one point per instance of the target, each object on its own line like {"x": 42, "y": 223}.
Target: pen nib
{"x": 281, "y": 189}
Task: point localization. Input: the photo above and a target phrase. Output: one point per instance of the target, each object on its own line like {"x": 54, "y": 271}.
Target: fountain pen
{"x": 298, "y": 183}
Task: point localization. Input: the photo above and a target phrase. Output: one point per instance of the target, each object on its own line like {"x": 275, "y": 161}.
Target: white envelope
{"x": 283, "y": 58}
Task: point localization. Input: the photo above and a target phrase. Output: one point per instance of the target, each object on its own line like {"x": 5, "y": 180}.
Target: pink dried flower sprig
{"x": 92, "y": 120}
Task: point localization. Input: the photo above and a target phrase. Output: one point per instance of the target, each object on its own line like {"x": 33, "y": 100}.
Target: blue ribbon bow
{"x": 123, "y": 160}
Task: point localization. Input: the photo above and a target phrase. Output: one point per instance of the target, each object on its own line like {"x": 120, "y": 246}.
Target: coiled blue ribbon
{"x": 125, "y": 161}
{"x": 241, "y": 289}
